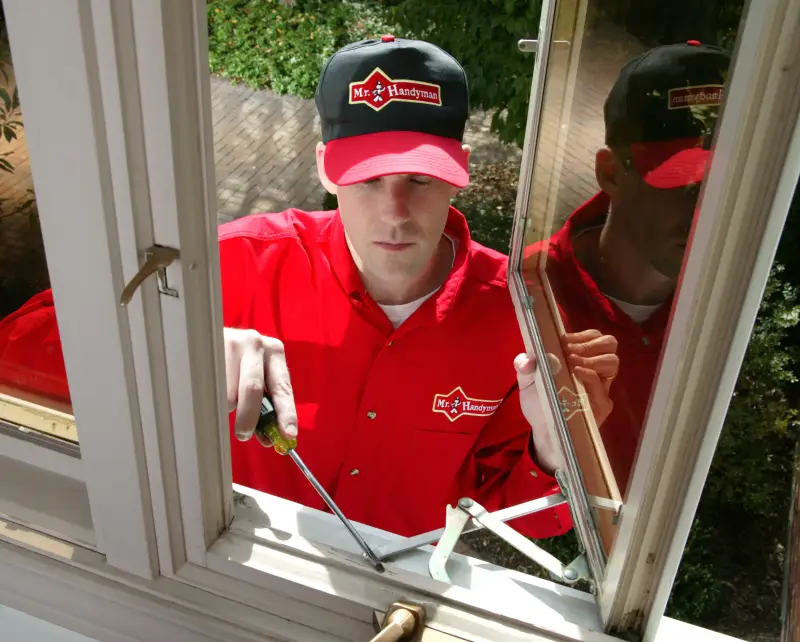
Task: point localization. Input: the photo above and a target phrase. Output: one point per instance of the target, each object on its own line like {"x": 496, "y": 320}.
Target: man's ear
{"x": 454, "y": 190}
{"x": 607, "y": 170}
{"x": 330, "y": 187}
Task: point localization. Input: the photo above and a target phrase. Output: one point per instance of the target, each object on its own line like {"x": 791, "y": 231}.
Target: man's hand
{"x": 592, "y": 357}
{"x": 548, "y": 456}
{"x": 248, "y": 356}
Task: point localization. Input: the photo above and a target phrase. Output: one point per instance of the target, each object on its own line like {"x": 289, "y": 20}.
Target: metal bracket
{"x": 532, "y": 46}
{"x": 455, "y": 525}
{"x": 406, "y": 544}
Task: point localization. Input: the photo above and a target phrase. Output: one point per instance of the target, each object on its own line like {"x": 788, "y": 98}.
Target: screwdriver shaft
{"x": 332, "y": 505}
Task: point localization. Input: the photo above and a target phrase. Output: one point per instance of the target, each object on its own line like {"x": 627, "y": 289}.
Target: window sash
{"x": 743, "y": 207}
{"x": 76, "y": 152}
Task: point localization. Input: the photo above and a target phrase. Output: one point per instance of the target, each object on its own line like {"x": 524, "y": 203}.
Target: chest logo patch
{"x": 377, "y": 90}
{"x": 456, "y": 404}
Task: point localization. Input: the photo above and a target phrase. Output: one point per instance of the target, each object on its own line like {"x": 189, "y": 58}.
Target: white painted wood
{"x": 734, "y": 240}
{"x": 125, "y": 127}
{"x": 46, "y": 501}
{"x": 289, "y": 526}
{"x": 55, "y": 63}
{"x": 37, "y": 453}
{"x": 172, "y": 57}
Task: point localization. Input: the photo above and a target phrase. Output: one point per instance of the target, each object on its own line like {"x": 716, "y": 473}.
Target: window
{"x": 147, "y": 379}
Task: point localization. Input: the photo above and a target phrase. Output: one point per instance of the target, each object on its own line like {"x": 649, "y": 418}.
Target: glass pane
{"x": 34, "y": 393}
{"x": 631, "y": 100}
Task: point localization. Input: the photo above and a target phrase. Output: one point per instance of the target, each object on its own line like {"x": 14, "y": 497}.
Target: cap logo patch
{"x": 377, "y": 90}
{"x": 455, "y": 404}
{"x": 684, "y": 97}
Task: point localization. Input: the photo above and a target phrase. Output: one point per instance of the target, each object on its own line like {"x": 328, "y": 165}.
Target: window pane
{"x": 34, "y": 393}
{"x": 631, "y": 100}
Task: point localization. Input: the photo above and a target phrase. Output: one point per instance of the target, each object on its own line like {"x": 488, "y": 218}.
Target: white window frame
{"x": 743, "y": 207}
{"x": 134, "y": 103}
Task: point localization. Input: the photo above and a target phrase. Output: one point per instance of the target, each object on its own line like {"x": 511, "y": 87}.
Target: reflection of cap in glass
{"x": 664, "y": 106}
{"x": 393, "y": 106}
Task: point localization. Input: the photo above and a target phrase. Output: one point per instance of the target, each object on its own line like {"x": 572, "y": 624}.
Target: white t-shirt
{"x": 639, "y": 313}
{"x": 399, "y": 313}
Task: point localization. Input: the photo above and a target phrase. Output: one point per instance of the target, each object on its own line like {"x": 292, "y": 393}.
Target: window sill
{"x": 273, "y": 540}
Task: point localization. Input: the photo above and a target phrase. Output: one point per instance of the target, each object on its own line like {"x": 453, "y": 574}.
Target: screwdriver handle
{"x": 267, "y": 426}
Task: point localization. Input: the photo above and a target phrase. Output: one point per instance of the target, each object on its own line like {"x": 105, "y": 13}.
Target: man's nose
{"x": 396, "y": 206}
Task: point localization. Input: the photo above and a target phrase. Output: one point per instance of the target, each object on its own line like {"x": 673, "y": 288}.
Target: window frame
{"x": 136, "y": 79}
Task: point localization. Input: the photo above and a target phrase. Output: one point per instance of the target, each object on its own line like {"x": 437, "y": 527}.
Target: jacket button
{"x": 355, "y": 471}
{"x": 534, "y": 473}
{"x": 372, "y": 414}
{"x": 646, "y": 341}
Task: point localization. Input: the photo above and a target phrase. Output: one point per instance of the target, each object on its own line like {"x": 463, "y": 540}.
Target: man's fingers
{"x": 251, "y": 388}
{"x": 606, "y": 365}
{"x": 280, "y": 387}
{"x": 598, "y": 395}
{"x": 581, "y": 337}
{"x": 232, "y": 360}
{"x": 605, "y": 344}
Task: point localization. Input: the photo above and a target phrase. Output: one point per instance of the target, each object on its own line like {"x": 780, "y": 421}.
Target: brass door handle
{"x": 403, "y": 622}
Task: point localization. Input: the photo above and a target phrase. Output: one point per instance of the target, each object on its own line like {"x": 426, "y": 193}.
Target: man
{"x": 615, "y": 264}
{"x": 409, "y": 385}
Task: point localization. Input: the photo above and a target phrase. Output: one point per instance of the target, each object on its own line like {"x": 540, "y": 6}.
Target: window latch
{"x": 156, "y": 260}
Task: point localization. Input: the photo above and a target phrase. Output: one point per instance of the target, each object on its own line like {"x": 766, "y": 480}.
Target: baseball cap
{"x": 393, "y": 106}
{"x": 664, "y": 106}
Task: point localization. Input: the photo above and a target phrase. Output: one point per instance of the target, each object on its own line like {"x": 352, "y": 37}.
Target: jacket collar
{"x": 593, "y": 213}
{"x": 434, "y": 310}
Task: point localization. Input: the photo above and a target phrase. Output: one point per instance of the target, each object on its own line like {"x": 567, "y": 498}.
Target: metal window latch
{"x": 156, "y": 260}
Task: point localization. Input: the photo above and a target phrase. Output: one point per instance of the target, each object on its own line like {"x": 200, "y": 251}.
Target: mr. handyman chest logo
{"x": 457, "y": 404}
{"x": 377, "y": 90}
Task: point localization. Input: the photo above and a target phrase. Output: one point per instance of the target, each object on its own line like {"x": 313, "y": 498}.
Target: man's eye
{"x": 421, "y": 180}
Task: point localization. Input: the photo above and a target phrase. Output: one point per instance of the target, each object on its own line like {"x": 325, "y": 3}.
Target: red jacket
{"x": 395, "y": 424}
{"x": 583, "y": 306}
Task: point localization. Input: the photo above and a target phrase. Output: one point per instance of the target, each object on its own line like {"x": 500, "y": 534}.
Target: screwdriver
{"x": 267, "y": 427}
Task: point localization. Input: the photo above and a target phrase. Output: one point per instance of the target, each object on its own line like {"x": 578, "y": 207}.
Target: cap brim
{"x": 672, "y": 164}
{"x": 361, "y": 158}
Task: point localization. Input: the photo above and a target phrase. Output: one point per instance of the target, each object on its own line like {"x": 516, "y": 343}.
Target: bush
{"x": 482, "y": 35}
{"x": 266, "y": 44}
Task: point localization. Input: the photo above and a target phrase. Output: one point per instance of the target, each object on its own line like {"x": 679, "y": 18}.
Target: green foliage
{"x": 733, "y": 562}
{"x": 269, "y": 45}
{"x": 482, "y": 35}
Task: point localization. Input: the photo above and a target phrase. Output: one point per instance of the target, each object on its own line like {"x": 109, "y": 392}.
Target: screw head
{"x": 570, "y": 574}
{"x": 465, "y": 502}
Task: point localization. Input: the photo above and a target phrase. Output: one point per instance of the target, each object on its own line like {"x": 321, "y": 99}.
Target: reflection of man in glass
{"x": 614, "y": 265}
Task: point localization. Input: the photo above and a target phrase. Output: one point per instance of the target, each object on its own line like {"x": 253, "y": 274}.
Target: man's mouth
{"x": 393, "y": 247}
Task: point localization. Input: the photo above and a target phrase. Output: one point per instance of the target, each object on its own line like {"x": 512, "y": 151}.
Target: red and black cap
{"x": 393, "y": 106}
{"x": 664, "y": 107}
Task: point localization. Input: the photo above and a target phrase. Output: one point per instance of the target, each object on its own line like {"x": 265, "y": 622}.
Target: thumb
{"x": 525, "y": 366}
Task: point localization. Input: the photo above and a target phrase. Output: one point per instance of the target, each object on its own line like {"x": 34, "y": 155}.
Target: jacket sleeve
{"x": 506, "y": 473}
{"x": 31, "y": 360}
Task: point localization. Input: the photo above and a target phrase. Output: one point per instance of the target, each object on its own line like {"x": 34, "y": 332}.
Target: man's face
{"x": 657, "y": 221}
{"x": 394, "y": 223}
